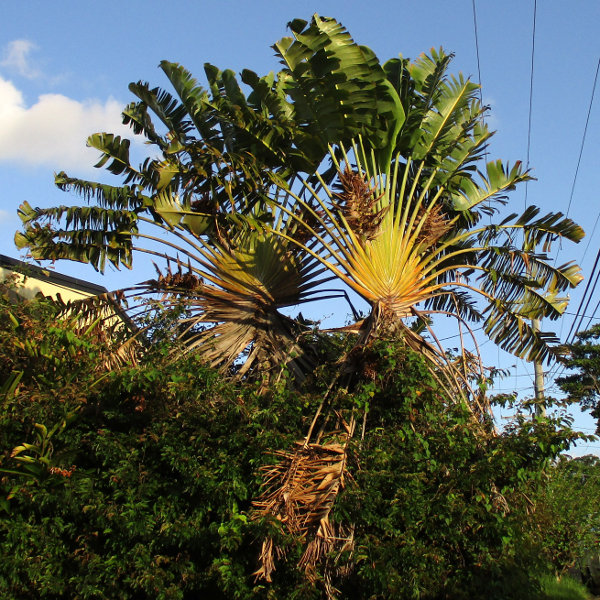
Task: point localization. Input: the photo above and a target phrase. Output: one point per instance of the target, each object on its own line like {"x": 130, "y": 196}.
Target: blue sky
{"x": 65, "y": 67}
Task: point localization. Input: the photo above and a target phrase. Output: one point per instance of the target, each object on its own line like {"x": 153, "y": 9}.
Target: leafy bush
{"x": 164, "y": 471}
{"x": 437, "y": 497}
{"x": 567, "y": 520}
{"x": 146, "y": 491}
{"x": 564, "y": 588}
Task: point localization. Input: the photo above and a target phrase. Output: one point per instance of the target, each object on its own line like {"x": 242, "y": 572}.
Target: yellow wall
{"x": 30, "y": 286}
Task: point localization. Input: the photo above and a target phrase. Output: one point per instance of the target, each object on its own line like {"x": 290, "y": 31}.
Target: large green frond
{"x": 169, "y": 111}
{"x": 498, "y": 180}
{"x": 91, "y": 235}
{"x": 115, "y": 156}
{"x": 442, "y": 125}
{"x": 515, "y": 334}
{"x": 193, "y": 97}
{"x": 268, "y": 95}
{"x": 122, "y": 197}
{"x": 337, "y": 87}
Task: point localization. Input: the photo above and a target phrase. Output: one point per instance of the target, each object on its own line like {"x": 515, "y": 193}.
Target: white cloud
{"x": 5, "y": 216}
{"x": 53, "y": 131}
{"x": 16, "y": 56}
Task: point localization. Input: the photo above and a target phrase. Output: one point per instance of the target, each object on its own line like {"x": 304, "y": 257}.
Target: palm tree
{"x": 398, "y": 219}
{"x": 250, "y": 220}
{"x": 401, "y": 223}
{"x": 397, "y": 239}
{"x": 402, "y": 240}
{"x": 218, "y": 152}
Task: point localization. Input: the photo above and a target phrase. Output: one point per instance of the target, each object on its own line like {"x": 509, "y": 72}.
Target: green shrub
{"x": 564, "y": 588}
{"x": 436, "y": 498}
{"x": 147, "y": 491}
{"x": 566, "y": 519}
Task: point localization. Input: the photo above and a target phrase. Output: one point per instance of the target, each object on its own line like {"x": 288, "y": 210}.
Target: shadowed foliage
{"x": 338, "y": 168}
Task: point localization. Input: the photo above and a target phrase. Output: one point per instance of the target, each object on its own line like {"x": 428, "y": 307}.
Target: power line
{"x": 531, "y": 92}
{"x": 450, "y": 337}
{"x": 587, "y": 120}
{"x": 477, "y": 51}
{"x": 589, "y": 238}
{"x": 590, "y": 319}
{"x": 580, "y": 312}
{"x": 538, "y": 385}
{"x": 578, "y": 317}
{"x": 573, "y": 329}
{"x": 476, "y": 32}
{"x": 569, "y": 207}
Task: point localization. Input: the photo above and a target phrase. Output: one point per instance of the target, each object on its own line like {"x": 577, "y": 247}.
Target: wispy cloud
{"x": 52, "y": 131}
{"x": 5, "y": 216}
{"x": 16, "y": 58}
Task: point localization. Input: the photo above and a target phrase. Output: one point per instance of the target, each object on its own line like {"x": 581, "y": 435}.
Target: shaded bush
{"x": 147, "y": 491}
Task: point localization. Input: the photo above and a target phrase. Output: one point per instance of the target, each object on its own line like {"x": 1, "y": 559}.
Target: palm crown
{"x": 240, "y": 200}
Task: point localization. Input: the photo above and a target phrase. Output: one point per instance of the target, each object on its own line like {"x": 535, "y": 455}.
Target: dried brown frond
{"x": 357, "y": 202}
{"x": 306, "y": 222}
{"x": 103, "y": 318}
{"x": 434, "y": 227}
{"x": 300, "y": 490}
{"x": 470, "y": 366}
{"x": 178, "y": 280}
{"x": 204, "y": 204}
{"x": 499, "y": 501}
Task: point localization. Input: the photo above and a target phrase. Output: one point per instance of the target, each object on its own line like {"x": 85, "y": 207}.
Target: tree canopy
{"x": 241, "y": 196}
{"x": 358, "y": 460}
{"x": 583, "y": 385}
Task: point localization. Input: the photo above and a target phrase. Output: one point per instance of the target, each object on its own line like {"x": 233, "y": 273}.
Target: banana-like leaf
{"x": 91, "y": 235}
{"x": 107, "y": 196}
{"x": 338, "y": 88}
{"x": 394, "y": 238}
{"x": 114, "y": 155}
{"x": 499, "y": 180}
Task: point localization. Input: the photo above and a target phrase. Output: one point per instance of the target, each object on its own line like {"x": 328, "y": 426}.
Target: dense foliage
{"x": 146, "y": 489}
{"x": 567, "y": 516}
{"x": 362, "y": 463}
{"x": 583, "y": 386}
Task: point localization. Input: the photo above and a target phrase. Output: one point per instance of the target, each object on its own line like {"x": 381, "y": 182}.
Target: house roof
{"x": 52, "y": 284}
{"x": 50, "y": 276}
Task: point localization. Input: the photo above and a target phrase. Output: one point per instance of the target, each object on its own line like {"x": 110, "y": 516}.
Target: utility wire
{"x": 569, "y": 207}
{"x": 558, "y": 369}
{"x": 587, "y": 120}
{"x": 591, "y": 318}
{"x": 476, "y": 32}
{"x": 580, "y": 314}
{"x": 574, "y": 327}
{"x": 531, "y": 92}
{"x": 538, "y": 385}
{"x": 589, "y": 238}
{"x": 591, "y": 290}
{"x": 477, "y": 51}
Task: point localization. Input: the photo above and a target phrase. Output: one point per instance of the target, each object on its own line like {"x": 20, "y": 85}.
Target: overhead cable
{"x": 587, "y": 120}
{"x": 530, "y": 92}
